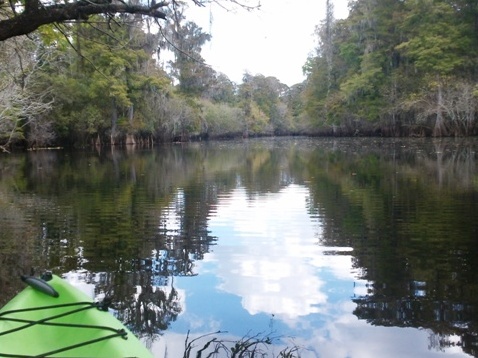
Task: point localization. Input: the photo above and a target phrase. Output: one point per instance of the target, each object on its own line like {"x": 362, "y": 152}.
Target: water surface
{"x": 340, "y": 248}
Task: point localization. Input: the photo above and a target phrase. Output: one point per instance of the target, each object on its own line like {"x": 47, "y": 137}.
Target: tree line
{"x": 391, "y": 68}
{"x": 396, "y": 68}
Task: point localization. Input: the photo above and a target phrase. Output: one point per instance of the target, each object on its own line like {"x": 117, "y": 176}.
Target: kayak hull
{"x": 36, "y": 324}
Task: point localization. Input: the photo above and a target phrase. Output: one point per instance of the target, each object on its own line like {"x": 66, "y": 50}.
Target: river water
{"x": 320, "y": 247}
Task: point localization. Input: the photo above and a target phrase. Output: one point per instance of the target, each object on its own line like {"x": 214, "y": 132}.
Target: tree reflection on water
{"x": 134, "y": 221}
{"x": 407, "y": 213}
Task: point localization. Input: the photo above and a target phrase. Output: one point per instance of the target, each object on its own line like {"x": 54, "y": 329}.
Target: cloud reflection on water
{"x": 268, "y": 255}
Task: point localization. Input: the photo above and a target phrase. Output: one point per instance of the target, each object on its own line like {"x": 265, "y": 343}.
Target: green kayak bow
{"x": 51, "y": 318}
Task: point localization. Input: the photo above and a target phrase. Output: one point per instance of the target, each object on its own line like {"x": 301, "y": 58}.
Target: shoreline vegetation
{"x": 258, "y": 345}
{"x": 390, "y": 69}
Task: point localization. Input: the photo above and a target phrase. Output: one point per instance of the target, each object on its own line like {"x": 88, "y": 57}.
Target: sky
{"x": 273, "y": 41}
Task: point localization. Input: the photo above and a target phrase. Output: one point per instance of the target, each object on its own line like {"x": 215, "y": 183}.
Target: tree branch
{"x": 28, "y": 21}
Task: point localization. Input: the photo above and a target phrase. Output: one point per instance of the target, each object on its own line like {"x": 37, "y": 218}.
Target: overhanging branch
{"x": 28, "y": 21}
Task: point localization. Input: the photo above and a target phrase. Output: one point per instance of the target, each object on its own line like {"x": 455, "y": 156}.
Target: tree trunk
{"x": 114, "y": 121}
{"x": 439, "y": 129}
{"x": 97, "y": 142}
{"x": 328, "y": 50}
{"x": 130, "y": 140}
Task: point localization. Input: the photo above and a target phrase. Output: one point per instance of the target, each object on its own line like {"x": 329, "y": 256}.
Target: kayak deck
{"x": 37, "y": 324}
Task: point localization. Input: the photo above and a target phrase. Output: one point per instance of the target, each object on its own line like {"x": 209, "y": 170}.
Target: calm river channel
{"x": 331, "y": 247}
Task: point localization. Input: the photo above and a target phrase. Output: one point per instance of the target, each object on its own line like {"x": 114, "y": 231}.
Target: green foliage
{"x": 391, "y": 67}
{"x": 265, "y": 103}
{"x": 221, "y": 90}
{"x": 188, "y": 66}
{"x": 436, "y": 41}
{"x": 222, "y": 120}
{"x": 102, "y": 85}
{"x": 387, "y": 54}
